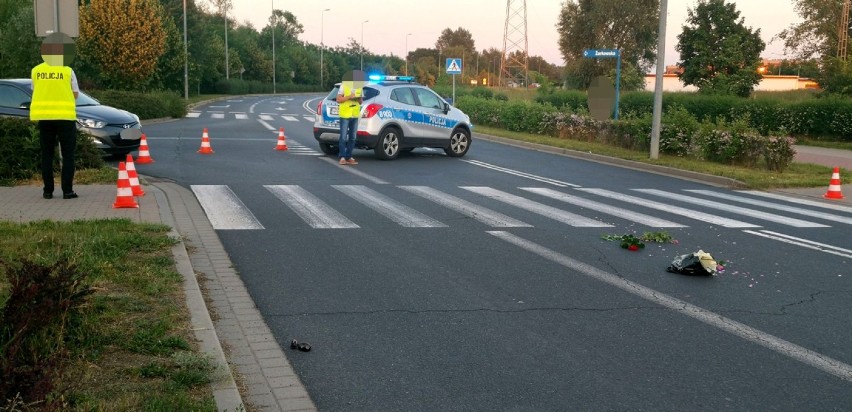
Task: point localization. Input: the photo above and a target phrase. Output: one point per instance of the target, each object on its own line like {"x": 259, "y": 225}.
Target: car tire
{"x": 459, "y": 143}
{"x": 388, "y": 146}
{"x": 329, "y": 149}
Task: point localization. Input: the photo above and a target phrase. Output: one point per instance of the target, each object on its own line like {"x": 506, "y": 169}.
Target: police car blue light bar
{"x": 381, "y": 78}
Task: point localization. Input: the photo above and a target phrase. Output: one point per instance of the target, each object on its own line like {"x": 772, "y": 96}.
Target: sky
{"x": 390, "y": 21}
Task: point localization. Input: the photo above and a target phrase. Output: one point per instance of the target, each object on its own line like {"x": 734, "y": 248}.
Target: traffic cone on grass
{"x": 134, "y": 178}
{"x": 282, "y": 140}
{"x": 205, "y": 143}
{"x": 834, "y": 186}
{"x": 124, "y": 194}
{"x": 144, "y": 157}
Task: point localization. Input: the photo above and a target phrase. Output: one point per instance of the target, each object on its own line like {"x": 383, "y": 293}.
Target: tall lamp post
{"x": 227, "y": 66}
{"x": 185, "y": 57}
{"x": 406, "y": 53}
{"x": 322, "y": 45}
{"x": 273, "y": 45}
{"x": 362, "y": 43}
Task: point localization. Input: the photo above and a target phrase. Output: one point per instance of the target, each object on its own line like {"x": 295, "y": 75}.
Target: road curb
{"x": 225, "y": 391}
{"x": 718, "y": 181}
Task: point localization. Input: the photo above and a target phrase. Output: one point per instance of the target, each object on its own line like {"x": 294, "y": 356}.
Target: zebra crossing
{"x": 590, "y": 207}
{"x": 287, "y": 117}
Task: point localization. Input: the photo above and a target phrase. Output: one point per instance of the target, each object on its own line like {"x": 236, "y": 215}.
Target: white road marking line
{"x": 193, "y": 114}
{"x": 789, "y": 221}
{"x": 393, "y": 210}
{"x": 266, "y": 117}
{"x": 241, "y": 116}
{"x": 315, "y": 212}
{"x": 769, "y": 205}
{"x": 521, "y": 174}
{"x": 290, "y": 118}
{"x": 309, "y": 118}
{"x": 307, "y": 105}
{"x": 220, "y": 107}
{"x": 547, "y": 211}
{"x": 799, "y": 201}
{"x": 480, "y": 213}
{"x": 640, "y": 218}
{"x": 771, "y": 342}
{"x": 692, "y": 214}
{"x": 805, "y": 243}
{"x": 224, "y": 209}
{"x": 354, "y": 170}
{"x": 218, "y": 115}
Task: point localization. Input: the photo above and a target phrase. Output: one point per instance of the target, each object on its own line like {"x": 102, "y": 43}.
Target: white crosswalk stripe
{"x": 693, "y": 214}
{"x": 224, "y": 209}
{"x": 290, "y": 118}
{"x": 193, "y": 114}
{"x": 797, "y": 200}
{"x": 604, "y": 208}
{"x": 535, "y": 207}
{"x": 217, "y": 115}
{"x": 266, "y": 117}
{"x": 241, "y": 116}
{"x": 770, "y": 205}
{"x": 393, "y": 210}
{"x": 482, "y": 214}
{"x": 710, "y": 203}
{"x": 315, "y": 212}
{"x": 309, "y": 118}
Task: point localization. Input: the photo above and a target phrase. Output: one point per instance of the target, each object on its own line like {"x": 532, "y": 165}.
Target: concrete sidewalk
{"x": 239, "y": 339}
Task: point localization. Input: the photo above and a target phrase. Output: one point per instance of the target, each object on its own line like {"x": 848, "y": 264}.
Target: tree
{"x": 19, "y": 46}
{"x": 817, "y": 34}
{"x": 122, "y": 40}
{"x": 607, "y": 24}
{"x": 458, "y": 38}
{"x": 718, "y": 53}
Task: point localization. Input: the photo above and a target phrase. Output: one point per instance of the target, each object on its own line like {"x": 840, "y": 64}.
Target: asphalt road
{"x": 482, "y": 283}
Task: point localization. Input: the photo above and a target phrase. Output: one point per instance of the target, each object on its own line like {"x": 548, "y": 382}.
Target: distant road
{"x": 824, "y": 156}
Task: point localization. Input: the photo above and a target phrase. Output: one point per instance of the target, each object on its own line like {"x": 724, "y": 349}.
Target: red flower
{"x": 633, "y": 248}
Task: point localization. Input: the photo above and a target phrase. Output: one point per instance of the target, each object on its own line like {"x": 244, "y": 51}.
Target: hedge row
{"x": 728, "y": 142}
{"x": 21, "y": 152}
{"x": 818, "y": 118}
{"x": 152, "y": 105}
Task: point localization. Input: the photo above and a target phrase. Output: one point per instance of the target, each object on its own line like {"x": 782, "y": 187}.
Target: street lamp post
{"x": 406, "y": 53}
{"x": 322, "y": 45}
{"x": 227, "y": 66}
{"x": 273, "y": 45}
{"x": 185, "y": 57}
{"x": 362, "y": 43}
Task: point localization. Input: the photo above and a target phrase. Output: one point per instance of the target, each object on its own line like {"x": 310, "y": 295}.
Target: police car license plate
{"x": 335, "y": 111}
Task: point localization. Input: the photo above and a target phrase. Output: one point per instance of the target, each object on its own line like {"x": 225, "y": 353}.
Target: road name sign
{"x": 602, "y": 54}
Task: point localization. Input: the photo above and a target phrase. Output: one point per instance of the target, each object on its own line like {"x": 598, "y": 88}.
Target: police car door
{"x": 406, "y": 112}
{"x": 435, "y": 122}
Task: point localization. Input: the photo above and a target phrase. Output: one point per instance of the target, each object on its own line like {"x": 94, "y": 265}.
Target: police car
{"x": 397, "y": 115}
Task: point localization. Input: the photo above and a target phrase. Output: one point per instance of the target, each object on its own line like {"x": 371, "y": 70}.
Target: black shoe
{"x": 71, "y": 195}
{"x": 47, "y": 195}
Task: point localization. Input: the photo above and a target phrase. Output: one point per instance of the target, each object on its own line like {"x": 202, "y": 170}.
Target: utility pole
{"x": 843, "y": 33}
{"x": 362, "y": 43}
{"x": 185, "y": 57}
{"x": 515, "y": 45}
{"x": 274, "y": 21}
{"x": 656, "y": 124}
{"x": 322, "y": 44}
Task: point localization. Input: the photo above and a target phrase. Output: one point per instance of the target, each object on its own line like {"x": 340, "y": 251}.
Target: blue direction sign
{"x": 602, "y": 54}
{"x": 454, "y": 66}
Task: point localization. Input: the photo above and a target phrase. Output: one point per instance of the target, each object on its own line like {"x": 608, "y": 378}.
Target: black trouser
{"x": 51, "y": 132}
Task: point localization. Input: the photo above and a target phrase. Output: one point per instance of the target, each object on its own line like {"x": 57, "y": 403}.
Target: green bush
{"x": 153, "y": 105}
{"x": 678, "y": 127}
{"x": 570, "y": 100}
{"x": 778, "y": 152}
{"x": 19, "y": 144}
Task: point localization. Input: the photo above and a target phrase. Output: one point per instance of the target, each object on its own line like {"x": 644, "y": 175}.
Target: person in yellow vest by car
{"x": 54, "y": 107}
{"x": 350, "y": 96}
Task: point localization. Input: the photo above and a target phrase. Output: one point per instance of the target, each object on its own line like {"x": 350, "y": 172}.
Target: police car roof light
{"x": 381, "y": 78}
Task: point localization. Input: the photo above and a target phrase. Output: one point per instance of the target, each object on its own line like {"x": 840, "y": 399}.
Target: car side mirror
{"x": 446, "y": 107}
{"x": 25, "y": 105}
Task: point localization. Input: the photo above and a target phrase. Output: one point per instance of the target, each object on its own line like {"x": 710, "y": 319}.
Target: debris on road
{"x": 697, "y": 263}
{"x": 302, "y": 346}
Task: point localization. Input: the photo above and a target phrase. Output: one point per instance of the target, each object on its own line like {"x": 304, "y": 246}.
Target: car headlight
{"x": 91, "y": 123}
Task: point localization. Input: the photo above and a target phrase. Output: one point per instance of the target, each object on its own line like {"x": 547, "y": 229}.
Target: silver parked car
{"x": 397, "y": 115}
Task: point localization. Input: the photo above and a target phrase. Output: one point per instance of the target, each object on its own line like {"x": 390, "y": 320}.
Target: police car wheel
{"x": 329, "y": 149}
{"x": 459, "y": 143}
{"x": 388, "y": 146}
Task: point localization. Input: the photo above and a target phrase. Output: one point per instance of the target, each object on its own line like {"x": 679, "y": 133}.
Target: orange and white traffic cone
{"x": 205, "y": 144}
{"x": 144, "y": 157}
{"x": 834, "y": 186}
{"x": 282, "y": 140}
{"x": 134, "y": 178}
{"x": 124, "y": 195}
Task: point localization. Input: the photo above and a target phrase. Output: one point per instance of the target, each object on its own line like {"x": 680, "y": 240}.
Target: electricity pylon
{"x": 513, "y": 66}
{"x": 843, "y": 33}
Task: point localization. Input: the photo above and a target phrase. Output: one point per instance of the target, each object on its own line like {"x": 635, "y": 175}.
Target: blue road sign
{"x": 454, "y": 66}
{"x": 602, "y": 54}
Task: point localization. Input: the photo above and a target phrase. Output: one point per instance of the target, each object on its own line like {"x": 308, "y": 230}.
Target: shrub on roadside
{"x": 778, "y": 152}
{"x": 153, "y": 105}
{"x": 677, "y": 130}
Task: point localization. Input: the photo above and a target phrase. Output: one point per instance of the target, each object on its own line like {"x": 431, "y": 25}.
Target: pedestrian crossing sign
{"x": 454, "y": 66}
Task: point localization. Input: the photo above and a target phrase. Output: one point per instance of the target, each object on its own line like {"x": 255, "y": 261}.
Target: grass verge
{"x": 130, "y": 348}
{"x": 797, "y": 175}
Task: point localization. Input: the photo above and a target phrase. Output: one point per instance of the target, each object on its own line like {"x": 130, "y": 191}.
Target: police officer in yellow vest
{"x": 350, "y": 96}
{"x": 54, "y": 106}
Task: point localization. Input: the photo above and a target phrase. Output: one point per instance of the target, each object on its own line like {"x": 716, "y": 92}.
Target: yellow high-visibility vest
{"x": 350, "y": 108}
{"x": 53, "y": 98}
